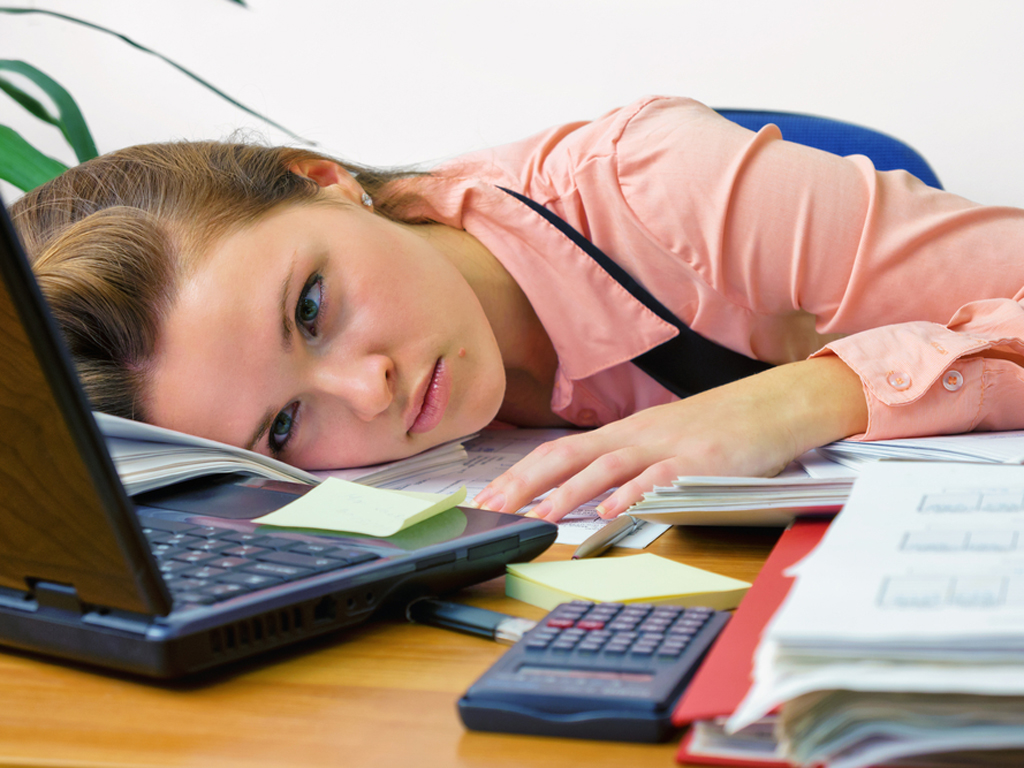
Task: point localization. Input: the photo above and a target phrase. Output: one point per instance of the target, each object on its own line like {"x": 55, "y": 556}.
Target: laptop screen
{"x": 66, "y": 522}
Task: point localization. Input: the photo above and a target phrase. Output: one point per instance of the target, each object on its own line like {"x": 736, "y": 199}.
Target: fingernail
{"x": 530, "y": 513}
{"x": 494, "y": 502}
{"x": 542, "y": 510}
{"x": 471, "y": 504}
{"x": 603, "y": 511}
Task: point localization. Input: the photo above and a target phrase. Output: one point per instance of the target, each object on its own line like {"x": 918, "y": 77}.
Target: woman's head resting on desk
{"x": 269, "y": 298}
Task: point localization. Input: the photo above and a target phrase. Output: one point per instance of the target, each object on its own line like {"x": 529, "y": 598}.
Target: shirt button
{"x": 953, "y": 380}
{"x": 899, "y": 380}
{"x": 587, "y": 417}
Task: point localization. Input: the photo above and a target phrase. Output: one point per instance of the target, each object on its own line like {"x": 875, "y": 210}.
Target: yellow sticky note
{"x": 644, "y": 578}
{"x": 340, "y": 505}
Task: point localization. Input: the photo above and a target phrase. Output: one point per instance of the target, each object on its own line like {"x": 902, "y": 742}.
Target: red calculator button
{"x": 560, "y": 623}
{"x": 589, "y": 624}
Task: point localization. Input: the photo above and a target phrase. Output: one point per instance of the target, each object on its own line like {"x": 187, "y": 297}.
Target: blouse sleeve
{"x": 923, "y": 287}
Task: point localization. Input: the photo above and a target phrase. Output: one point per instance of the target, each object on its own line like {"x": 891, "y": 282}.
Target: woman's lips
{"x": 435, "y": 399}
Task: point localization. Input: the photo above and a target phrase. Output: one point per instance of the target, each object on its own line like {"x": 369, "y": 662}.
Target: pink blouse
{"x": 770, "y": 248}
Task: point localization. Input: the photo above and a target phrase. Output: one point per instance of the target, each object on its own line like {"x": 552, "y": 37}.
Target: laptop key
{"x": 221, "y": 591}
{"x": 175, "y": 539}
{"x": 244, "y": 550}
{"x": 227, "y": 563}
{"x": 194, "y": 556}
{"x": 302, "y": 561}
{"x": 210, "y": 545}
{"x": 355, "y": 556}
{"x": 315, "y": 548}
{"x": 168, "y": 567}
{"x": 205, "y": 572}
{"x": 197, "y": 598}
{"x": 241, "y": 537}
{"x": 253, "y": 580}
{"x": 280, "y": 571}
{"x": 275, "y": 542}
{"x": 159, "y": 524}
{"x": 187, "y": 585}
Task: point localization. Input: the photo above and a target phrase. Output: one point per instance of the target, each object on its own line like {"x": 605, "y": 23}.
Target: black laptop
{"x": 176, "y": 581}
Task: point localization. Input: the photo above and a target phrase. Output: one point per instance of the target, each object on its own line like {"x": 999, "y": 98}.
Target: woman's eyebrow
{"x": 261, "y": 430}
{"x": 286, "y": 345}
{"x": 286, "y": 320}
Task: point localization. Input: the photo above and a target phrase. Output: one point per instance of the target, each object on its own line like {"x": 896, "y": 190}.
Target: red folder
{"x": 726, "y": 674}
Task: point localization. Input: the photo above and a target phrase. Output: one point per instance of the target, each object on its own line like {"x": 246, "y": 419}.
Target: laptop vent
{"x": 287, "y": 624}
{"x": 268, "y": 629}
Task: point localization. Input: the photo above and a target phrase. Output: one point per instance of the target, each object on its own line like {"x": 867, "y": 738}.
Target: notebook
{"x": 178, "y": 580}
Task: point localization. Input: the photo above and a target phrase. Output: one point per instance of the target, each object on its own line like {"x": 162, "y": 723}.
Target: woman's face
{"x": 328, "y": 337}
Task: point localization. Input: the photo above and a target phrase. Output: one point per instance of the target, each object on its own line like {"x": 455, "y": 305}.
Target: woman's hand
{"x": 751, "y": 427}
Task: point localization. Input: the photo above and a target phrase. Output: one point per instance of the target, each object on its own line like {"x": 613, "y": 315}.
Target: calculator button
{"x": 615, "y": 649}
{"x": 652, "y": 637}
{"x": 668, "y": 610}
{"x": 642, "y": 650}
{"x": 561, "y": 623}
{"x": 621, "y": 626}
{"x": 681, "y": 634}
{"x": 588, "y": 647}
{"x": 589, "y": 624}
{"x": 669, "y": 651}
{"x": 538, "y": 644}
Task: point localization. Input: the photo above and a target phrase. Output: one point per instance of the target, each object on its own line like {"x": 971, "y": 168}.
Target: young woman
{"x": 331, "y": 315}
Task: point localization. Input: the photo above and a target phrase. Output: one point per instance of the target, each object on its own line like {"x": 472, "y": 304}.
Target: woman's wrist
{"x": 827, "y": 401}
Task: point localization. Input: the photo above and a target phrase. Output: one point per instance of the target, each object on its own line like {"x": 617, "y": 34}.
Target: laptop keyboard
{"x": 204, "y": 564}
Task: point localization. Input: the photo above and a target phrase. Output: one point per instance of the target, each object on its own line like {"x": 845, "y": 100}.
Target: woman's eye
{"x": 308, "y": 310}
{"x": 281, "y": 429}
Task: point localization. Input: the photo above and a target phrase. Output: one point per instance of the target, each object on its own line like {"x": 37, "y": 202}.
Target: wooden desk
{"x": 382, "y": 695}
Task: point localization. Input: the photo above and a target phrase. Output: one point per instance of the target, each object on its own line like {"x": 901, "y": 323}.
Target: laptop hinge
{"x": 63, "y": 597}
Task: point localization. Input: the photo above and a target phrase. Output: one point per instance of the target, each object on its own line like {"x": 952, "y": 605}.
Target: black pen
{"x": 608, "y": 536}
{"x": 468, "y": 619}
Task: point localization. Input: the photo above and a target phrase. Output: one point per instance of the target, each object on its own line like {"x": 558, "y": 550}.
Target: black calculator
{"x": 609, "y": 671}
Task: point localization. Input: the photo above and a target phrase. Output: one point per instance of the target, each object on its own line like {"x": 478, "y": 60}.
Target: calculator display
{"x": 589, "y": 674}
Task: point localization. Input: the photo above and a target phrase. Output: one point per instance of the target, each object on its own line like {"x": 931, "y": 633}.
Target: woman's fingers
{"x": 545, "y": 467}
{"x": 606, "y": 471}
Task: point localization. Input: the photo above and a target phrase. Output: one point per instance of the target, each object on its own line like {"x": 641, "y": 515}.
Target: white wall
{"x": 404, "y": 81}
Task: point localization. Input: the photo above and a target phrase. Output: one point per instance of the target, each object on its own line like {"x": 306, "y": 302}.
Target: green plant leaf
{"x": 192, "y": 75}
{"x": 23, "y": 165}
{"x": 29, "y": 102}
{"x": 69, "y": 117}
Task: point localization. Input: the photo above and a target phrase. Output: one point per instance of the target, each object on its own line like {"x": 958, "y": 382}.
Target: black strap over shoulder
{"x": 685, "y": 364}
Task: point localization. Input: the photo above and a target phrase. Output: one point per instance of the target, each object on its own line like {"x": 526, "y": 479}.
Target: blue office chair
{"x": 839, "y": 138}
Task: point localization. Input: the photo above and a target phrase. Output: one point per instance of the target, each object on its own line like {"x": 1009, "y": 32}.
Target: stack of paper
{"x": 903, "y": 636}
{"x": 994, "y": 447}
{"x": 748, "y": 500}
{"x": 817, "y": 482}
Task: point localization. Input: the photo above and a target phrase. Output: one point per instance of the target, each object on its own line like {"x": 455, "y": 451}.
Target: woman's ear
{"x": 329, "y": 175}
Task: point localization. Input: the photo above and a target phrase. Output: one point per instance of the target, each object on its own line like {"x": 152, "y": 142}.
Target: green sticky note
{"x": 644, "y": 578}
{"x": 340, "y": 505}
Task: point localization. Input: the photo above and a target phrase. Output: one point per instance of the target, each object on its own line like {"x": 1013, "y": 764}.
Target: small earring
{"x": 367, "y": 200}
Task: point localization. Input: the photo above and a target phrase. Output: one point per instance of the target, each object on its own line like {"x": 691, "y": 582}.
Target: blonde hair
{"x": 110, "y": 241}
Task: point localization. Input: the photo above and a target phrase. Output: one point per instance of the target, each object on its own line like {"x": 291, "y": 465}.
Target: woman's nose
{"x": 366, "y": 385}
